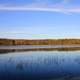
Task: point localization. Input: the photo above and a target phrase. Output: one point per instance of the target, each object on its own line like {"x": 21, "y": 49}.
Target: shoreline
{"x": 40, "y": 42}
{"x": 17, "y": 45}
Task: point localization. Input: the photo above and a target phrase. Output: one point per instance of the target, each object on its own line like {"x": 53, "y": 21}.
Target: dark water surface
{"x": 40, "y": 65}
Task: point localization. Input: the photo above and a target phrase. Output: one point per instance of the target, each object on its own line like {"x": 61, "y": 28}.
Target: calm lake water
{"x": 40, "y": 65}
{"x": 33, "y": 46}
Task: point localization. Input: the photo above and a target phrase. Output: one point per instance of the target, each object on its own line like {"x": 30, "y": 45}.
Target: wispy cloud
{"x": 36, "y": 6}
{"x": 22, "y": 8}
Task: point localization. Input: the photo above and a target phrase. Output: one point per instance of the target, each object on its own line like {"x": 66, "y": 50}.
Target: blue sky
{"x": 39, "y": 19}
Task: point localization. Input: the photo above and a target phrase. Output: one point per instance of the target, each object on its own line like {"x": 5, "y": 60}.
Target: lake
{"x": 40, "y": 65}
{"x": 37, "y": 46}
{"x": 19, "y": 48}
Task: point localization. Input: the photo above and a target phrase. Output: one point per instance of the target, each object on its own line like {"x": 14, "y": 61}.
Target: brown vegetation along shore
{"x": 40, "y": 42}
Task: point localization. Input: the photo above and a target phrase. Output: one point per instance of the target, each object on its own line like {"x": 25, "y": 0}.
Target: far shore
{"x": 40, "y": 42}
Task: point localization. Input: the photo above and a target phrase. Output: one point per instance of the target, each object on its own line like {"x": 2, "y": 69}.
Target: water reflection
{"x": 3, "y": 51}
{"x": 19, "y": 66}
{"x": 38, "y": 65}
{"x": 77, "y": 59}
{"x": 19, "y": 48}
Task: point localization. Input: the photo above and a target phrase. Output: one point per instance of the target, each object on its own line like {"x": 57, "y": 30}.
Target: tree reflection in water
{"x": 19, "y": 66}
{"x": 77, "y": 59}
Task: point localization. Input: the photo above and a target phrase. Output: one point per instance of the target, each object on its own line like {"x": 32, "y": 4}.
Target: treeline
{"x": 40, "y": 42}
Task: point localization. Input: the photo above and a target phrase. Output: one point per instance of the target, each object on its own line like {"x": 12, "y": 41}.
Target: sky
{"x": 39, "y": 19}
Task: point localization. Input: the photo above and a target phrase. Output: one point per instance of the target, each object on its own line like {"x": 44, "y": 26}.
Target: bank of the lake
{"x": 40, "y": 42}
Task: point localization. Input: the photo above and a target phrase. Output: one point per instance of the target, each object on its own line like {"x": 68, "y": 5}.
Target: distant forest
{"x": 40, "y": 42}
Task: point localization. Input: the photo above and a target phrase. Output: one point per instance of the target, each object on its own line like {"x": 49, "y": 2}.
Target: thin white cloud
{"x": 35, "y": 6}
{"x": 29, "y": 9}
{"x": 24, "y": 8}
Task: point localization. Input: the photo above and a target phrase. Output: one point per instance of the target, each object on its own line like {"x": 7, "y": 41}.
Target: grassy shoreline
{"x": 40, "y": 42}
